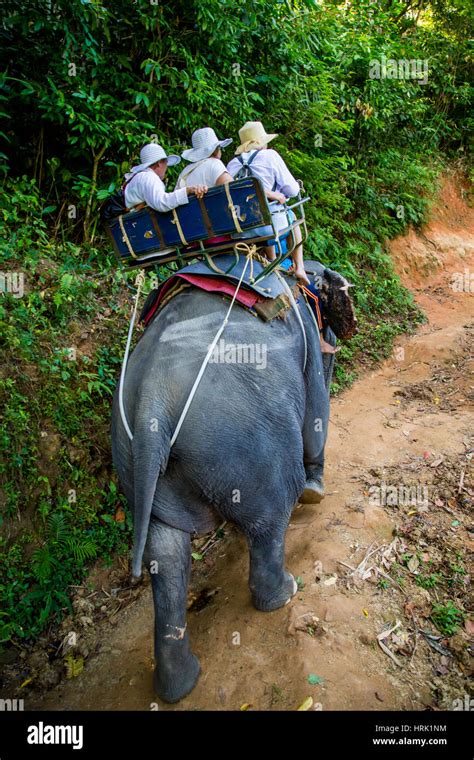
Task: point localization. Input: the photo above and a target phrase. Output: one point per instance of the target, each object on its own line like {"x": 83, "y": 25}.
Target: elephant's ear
{"x": 314, "y": 268}
{"x": 338, "y": 306}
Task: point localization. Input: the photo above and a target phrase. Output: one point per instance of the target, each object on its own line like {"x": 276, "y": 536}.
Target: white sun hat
{"x": 150, "y": 154}
{"x": 253, "y": 135}
{"x": 205, "y": 142}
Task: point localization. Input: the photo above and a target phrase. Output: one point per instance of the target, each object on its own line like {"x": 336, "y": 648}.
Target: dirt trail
{"x": 379, "y": 423}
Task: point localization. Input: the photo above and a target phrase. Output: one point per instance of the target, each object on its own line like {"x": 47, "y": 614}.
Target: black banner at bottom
{"x": 122, "y": 734}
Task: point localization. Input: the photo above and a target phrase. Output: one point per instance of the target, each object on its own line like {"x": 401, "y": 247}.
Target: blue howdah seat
{"x": 148, "y": 238}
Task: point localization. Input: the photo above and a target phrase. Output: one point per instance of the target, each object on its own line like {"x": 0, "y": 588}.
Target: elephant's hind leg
{"x": 168, "y": 560}
{"x": 270, "y": 584}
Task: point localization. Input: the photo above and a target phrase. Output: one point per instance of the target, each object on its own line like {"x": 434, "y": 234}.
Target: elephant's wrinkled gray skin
{"x": 238, "y": 456}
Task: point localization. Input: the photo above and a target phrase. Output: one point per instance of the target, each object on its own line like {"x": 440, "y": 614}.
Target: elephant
{"x": 253, "y": 436}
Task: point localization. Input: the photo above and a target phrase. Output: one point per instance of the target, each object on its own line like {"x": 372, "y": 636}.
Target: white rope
{"x": 295, "y": 306}
{"x": 208, "y": 355}
{"x": 138, "y": 282}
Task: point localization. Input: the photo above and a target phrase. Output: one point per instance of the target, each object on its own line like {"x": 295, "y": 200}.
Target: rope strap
{"x": 232, "y": 208}
{"x": 298, "y": 315}
{"x": 139, "y": 284}
{"x": 179, "y": 228}
{"x": 243, "y": 247}
{"x": 307, "y": 294}
{"x": 250, "y": 252}
{"x": 311, "y": 312}
{"x": 125, "y": 238}
{"x": 210, "y": 264}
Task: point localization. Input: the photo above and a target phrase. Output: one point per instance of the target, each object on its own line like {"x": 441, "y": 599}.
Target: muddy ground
{"x": 388, "y": 548}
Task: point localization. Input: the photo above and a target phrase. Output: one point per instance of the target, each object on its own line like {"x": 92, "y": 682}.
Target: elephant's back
{"x": 254, "y": 370}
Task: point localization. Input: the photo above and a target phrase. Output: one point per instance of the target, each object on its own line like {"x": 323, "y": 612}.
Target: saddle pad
{"x": 212, "y": 285}
{"x": 215, "y": 285}
{"x": 269, "y": 287}
{"x": 205, "y": 277}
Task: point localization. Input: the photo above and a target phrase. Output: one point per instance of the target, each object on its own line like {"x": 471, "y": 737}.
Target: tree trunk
{"x": 95, "y": 168}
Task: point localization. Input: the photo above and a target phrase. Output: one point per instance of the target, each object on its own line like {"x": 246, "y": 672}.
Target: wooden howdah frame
{"x": 147, "y": 238}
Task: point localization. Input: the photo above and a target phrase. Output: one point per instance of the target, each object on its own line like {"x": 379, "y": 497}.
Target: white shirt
{"x": 205, "y": 172}
{"x": 269, "y": 167}
{"x": 147, "y": 187}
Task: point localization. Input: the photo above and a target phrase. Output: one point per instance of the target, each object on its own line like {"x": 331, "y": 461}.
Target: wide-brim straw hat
{"x": 253, "y": 136}
{"x": 150, "y": 154}
{"x": 204, "y": 142}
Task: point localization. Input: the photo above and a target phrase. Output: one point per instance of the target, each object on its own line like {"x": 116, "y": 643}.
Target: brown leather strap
{"x": 138, "y": 207}
{"x": 206, "y": 219}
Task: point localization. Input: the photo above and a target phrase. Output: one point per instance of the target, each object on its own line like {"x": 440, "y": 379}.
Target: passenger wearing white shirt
{"x": 206, "y": 167}
{"x": 144, "y": 183}
{"x": 269, "y": 167}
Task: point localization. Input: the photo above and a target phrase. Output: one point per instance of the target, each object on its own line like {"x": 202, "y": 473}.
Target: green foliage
{"x": 86, "y": 84}
{"x": 34, "y": 583}
{"x": 54, "y": 427}
{"x": 429, "y": 581}
{"x": 447, "y": 618}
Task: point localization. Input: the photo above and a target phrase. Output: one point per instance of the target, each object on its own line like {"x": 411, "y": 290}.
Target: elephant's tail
{"x": 150, "y": 458}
